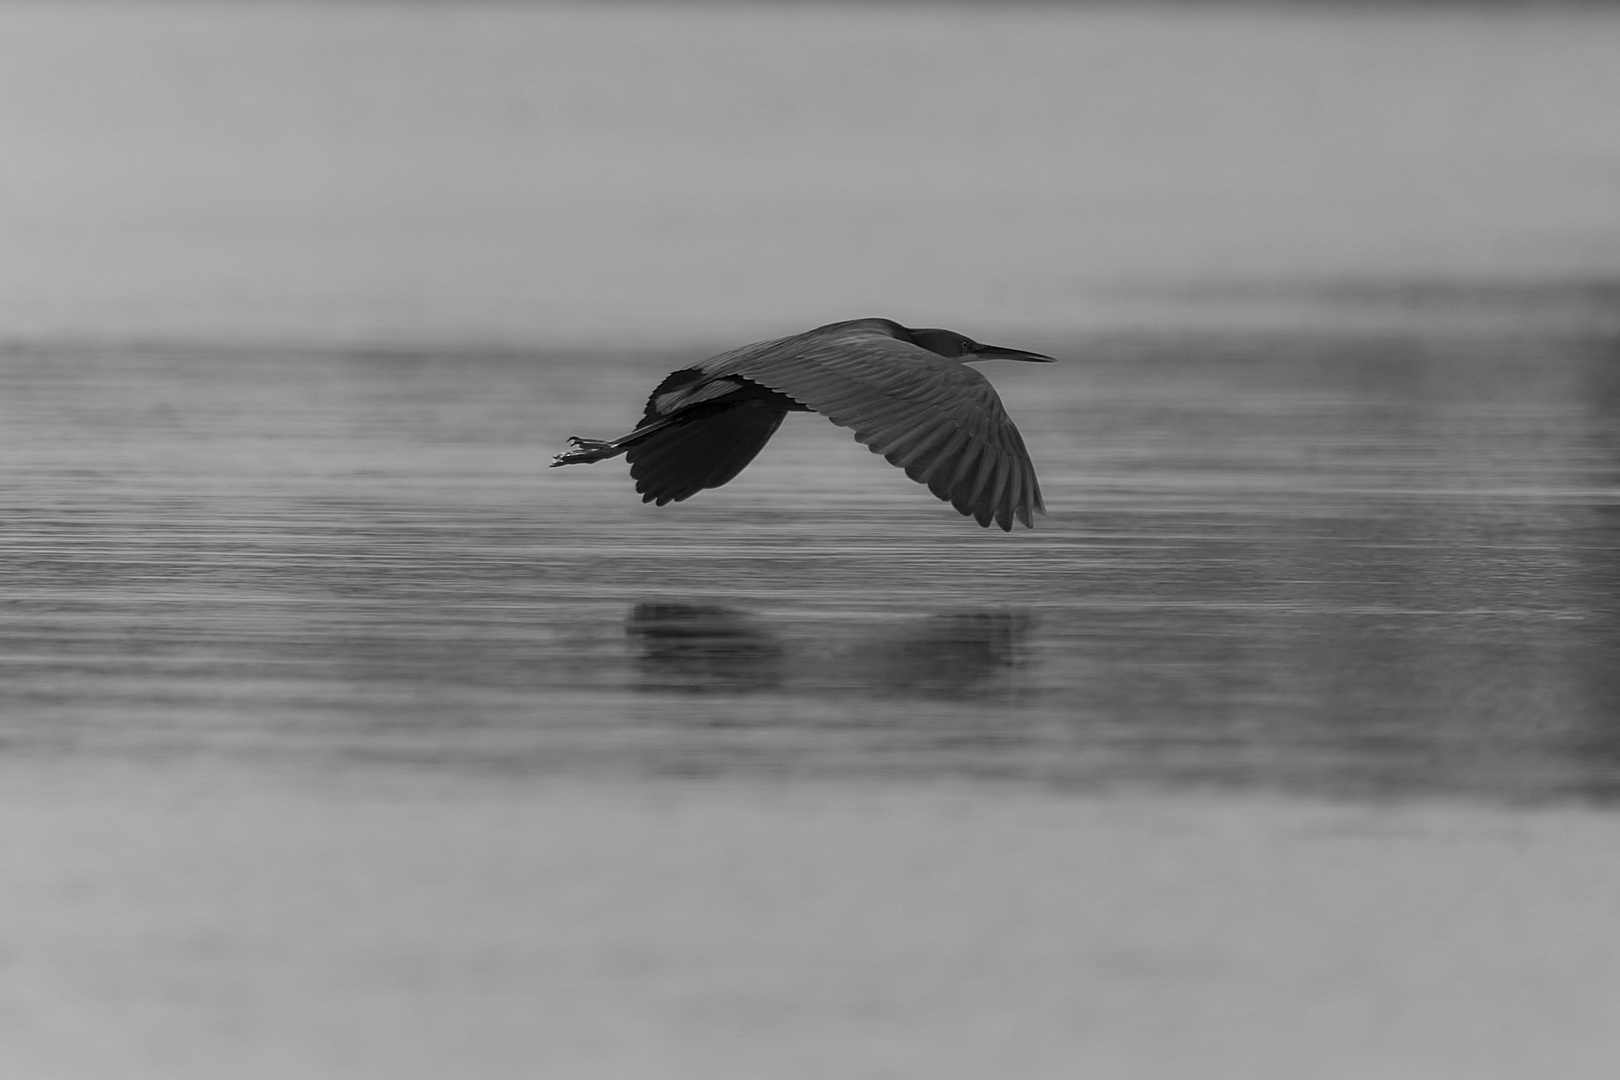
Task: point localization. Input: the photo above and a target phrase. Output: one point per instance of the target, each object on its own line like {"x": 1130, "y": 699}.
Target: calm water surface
{"x": 1360, "y": 564}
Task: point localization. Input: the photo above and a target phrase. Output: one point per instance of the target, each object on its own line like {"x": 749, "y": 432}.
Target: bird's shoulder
{"x": 873, "y": 351}
{"x": 707, "y": 380}
{"x": 860, "y": 376}
{"x": 842, "y": 370}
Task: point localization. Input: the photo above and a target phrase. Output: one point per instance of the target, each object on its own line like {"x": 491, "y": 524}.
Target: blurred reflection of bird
{"x": 703, "y": 648}
{"x": 907, "y": 394}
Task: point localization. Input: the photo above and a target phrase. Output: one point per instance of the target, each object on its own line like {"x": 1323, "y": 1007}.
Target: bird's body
{"x": 907, "y": 394}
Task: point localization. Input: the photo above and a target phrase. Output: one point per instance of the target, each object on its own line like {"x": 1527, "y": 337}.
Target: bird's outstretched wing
{"x": 705, "y": 450}
{"x": 936, "y": 418}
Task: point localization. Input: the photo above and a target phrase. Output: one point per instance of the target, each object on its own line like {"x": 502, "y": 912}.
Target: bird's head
{"x": 959, "y": 346}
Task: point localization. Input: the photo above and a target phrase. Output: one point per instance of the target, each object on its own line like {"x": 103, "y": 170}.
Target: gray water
{"x": 341, "y": 737}
{"x": 1376, "y": 564}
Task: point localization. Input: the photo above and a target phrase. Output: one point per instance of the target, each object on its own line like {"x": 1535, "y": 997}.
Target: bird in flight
{"x": 907, "y": 394}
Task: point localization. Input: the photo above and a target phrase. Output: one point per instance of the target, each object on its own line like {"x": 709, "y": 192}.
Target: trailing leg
{"x": 588, "y": 450}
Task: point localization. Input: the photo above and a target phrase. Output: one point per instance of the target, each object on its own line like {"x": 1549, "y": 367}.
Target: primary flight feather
{"x": 907, "y": 394}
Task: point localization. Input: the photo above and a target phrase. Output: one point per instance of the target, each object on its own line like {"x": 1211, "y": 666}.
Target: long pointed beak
{"x": 996, "y": 352}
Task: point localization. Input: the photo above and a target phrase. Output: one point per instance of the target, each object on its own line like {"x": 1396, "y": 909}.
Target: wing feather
{"x": 942, "y": 468}
{"x": 703, "y": 452}
{"x": 983, "y": 504}
{"x": 927, "y": 437}
{"x": 1015, "y": 498}
{"x": 998, "y": 494}
{"x": 893, "y": 417}
{"x": 966, "y": 466}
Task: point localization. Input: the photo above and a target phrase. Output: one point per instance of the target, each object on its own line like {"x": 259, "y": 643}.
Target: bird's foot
{"x": 584, "y": 452}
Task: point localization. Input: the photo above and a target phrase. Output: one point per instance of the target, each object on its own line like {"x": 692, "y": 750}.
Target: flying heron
{"x": 907, "y": 394}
